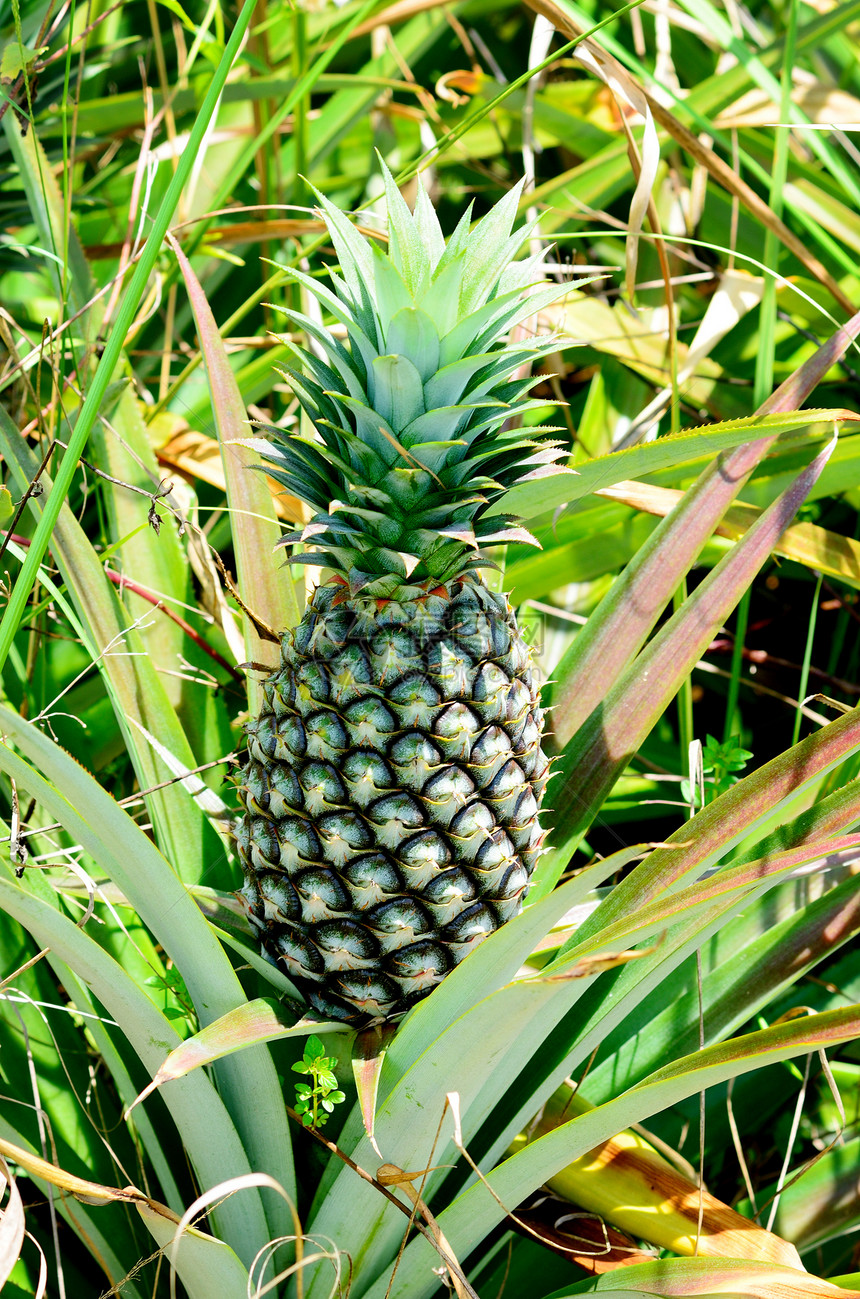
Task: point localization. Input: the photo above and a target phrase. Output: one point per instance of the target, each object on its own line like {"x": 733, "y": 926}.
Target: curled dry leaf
{"x": 458, "y": 87}
{"x": 628, "y": 95}
{"x": 716, "y": 167}
{"x": 12, "y": 1228}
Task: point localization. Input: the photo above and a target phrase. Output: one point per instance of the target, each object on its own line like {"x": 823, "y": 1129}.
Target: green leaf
{"x": 176, "y": 8}
{"x": 635, "y": 462}
{"x": 619, "y": 627}
{"x": 736, "y": 815}
{"x": 58, "y": 238}
{"x": 708, "y": 1277}
{"x": 746, "y": 966}
{"x": 146, "y": 879}
{"x": 205, "y": 1265}
{"x": 412, "y": 333}
{"x": 406, "y": 248}
{"x": 391, "y": 295}
{"x": 602, "y": 746}
{"x": 822, "y": 1203}
{"x": 17, "y": 58}
{"x": 398, "y": 394}
{"x": 354, "y": 252}
{"x": 478, "y": 1209}
{"x": 156, "y": 559}
{"x": 136, "y": 690}
{"x": 113, "y": 348}
{"x": 210, "y": 1138}
{"x": 747, "y": 878}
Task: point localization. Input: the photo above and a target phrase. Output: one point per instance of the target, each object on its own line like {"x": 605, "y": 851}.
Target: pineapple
{"x": 395, "y": 773}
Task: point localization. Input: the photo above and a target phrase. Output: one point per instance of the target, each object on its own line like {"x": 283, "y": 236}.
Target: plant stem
{"x": 807, "y": 656}
{"x": 741, "y": 620}
{"x": 685, "y": 694}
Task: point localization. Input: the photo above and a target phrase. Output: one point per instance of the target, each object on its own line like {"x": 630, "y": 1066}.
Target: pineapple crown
{"x": 413, "y": 440}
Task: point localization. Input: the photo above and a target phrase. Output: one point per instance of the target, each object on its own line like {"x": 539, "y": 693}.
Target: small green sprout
{"x": 720, "y": 762}
{"x": 323, "y": 1094}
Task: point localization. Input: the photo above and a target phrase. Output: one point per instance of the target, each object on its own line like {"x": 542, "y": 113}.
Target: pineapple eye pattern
{"x": 391, "y": 802}
{"x": 416, "y": 836}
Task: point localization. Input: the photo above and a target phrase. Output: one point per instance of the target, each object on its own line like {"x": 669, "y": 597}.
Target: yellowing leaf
{"x": 819, "y": 548}
{"x": 199, "y": 456}
{"x": 821, "y": 103}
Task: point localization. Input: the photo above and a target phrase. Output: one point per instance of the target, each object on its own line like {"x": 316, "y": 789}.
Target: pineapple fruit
{"x": 395, "y": 773}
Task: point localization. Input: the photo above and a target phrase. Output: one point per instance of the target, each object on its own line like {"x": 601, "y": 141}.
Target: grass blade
{"x": 135, "y": 689}
{"x": 116, "y": 339}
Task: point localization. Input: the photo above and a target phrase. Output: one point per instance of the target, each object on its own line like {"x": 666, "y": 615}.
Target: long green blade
{"x": 116, "y": 340}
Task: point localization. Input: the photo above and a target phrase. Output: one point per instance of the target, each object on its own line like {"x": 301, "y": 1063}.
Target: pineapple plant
{"x": 395, "y": 772}
{"x": 493, "y": 1040}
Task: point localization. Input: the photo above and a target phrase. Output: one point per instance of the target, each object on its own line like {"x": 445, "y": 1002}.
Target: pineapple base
{"x": 391, "y": 794}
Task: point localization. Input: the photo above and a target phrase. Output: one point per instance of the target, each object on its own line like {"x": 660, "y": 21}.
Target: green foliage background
{"x": 133, "y": 134}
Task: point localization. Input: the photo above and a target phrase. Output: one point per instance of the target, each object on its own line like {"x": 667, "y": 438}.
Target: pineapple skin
{"x": 391, "y": 794}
